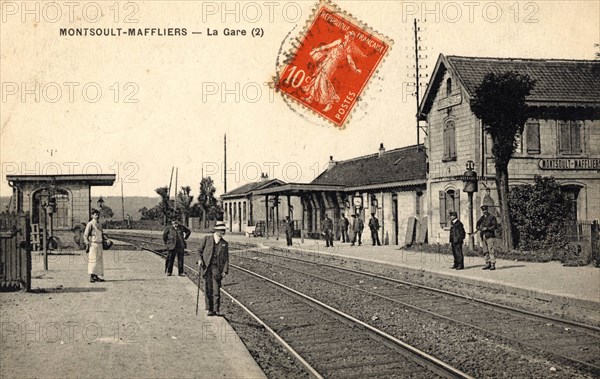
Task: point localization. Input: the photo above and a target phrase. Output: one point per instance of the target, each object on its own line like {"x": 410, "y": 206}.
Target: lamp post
{"x": 470, "y": 186}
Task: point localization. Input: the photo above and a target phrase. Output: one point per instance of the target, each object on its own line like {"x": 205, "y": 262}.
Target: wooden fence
{"x": 15, "y": 251}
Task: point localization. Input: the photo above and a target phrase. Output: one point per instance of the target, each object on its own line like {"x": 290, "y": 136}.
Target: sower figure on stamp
{"x": 328, "y": 230}
{"x": 174, "y": 238}
{"x": 374, "y": 226}
{"x": 487, "y": 225}
{"x": 357, "y": 228}
{"x": 93, "y": 236}
{"x": 329, "y": 57}
{"x": 344, "y": 223}
{"x": 214, "y": 265}
{"x": 289, "y": 230}
{"x": 457, "y": 237}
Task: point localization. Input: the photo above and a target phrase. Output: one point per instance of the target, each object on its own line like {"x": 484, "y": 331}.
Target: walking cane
{"x": 198, "y": 294}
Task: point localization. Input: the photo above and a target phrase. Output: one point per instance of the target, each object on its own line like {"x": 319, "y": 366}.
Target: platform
{"x": 138, "y": 324}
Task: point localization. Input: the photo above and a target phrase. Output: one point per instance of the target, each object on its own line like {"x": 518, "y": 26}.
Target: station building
{"x": 242, "y": 209}
{"x": 70, "y": 193}
{"x": 561, "y": 137}
{"x": 391, "y": 184}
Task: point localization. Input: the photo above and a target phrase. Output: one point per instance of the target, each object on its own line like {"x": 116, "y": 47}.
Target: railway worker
{"x": 487, "y": 225}
{"x": 457, "y": 237}
{"x": 374, "y": 226}
{"x": 174, "y": 238}
{"x": 93, "y": 236}
{"x": 357, "y": 228}
{"x": 214, "y": 265}
{"x": 328, "y": 230}
{"x": 289, "y": 230}
{"x": 344, "y": 223}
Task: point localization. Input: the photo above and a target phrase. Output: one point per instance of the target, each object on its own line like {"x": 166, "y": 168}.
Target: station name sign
{"x": 449, "y": 101}
{"x": 570, "y": 164}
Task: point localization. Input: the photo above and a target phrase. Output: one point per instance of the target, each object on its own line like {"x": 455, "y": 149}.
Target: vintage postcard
{"x": 299, "y": 188}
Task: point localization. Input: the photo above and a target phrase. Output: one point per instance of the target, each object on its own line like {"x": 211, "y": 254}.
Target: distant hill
{"x": 132, "y": 204}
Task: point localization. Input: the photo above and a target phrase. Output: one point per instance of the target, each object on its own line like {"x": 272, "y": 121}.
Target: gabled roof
{"x": 405, "y": 165}
{"x": 248, "y": 188}
{"x": 557, "y": 81}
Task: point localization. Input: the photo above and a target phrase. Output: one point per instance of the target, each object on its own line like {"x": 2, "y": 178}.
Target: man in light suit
{"x": 214, "y": 265}
{"x": 174, "y": 238}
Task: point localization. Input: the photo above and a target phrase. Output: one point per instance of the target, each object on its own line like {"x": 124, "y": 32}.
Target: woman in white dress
{"x": 93, "y": 240}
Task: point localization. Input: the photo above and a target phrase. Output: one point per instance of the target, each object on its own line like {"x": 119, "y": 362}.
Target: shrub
{"x": 539, "y": 213}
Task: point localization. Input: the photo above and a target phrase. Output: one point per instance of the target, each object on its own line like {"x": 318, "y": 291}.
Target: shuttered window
{"x": 449, "y": 141}
{"x": 449, "y": 201}
{"x": 533, "y": 138}
{"x": 569, "y": 137}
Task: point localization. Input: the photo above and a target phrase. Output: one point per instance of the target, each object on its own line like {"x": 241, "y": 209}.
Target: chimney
{"x": 381, "y": 150}
{"x": 264, "y": 176}
{"x": 331, "y": 163}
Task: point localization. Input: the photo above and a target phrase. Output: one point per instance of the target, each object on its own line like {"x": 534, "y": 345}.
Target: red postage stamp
{"x": 336, "y": 57}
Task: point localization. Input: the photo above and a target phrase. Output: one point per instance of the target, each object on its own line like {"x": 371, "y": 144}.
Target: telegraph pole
{"x": 225, "y": 163}
{"x": 418, "y": 48}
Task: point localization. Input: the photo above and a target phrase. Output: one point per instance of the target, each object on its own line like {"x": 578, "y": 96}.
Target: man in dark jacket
{"x": 289, "y": 230}
{"x": 487, "y": 225}
{"x": 174, "y": 238}
{"x": 357, "y": 228}
{"x": 214, "y": 265}
{"x": 374, "y": 226}
{"x": 328, "y": 230}
{"x": 457, "y": 237}
{"x": 344, "y": 223}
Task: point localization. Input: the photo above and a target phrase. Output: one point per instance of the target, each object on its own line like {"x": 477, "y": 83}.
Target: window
{"x": 418, "y": 197}
{"x": 449, "y": 141}
{"x": 532, "y": 132}
{"x": 519, "y": 140}
{"x": 449, "y": 201}
{"x": 449, "y": 87}
{"x": 572, "y": 193}
{"x": 61, "y": 217}
{"x": 569, "y": 137}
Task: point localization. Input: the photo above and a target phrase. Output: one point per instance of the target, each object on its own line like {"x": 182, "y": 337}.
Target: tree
{"x": 184, "y": 201}
{"x": 164, "y": 205}
{"x": 540, "y": 213}
{"x": 106, "y": 212}
{"x": 207, "y": 199}
{"x": 500, "y": 104}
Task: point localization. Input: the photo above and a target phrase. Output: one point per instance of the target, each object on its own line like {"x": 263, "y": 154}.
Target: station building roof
{"x": 91, "y": 179}
{"x": 558, "y": 82}
{"x": 249, "y": 188}
{"x": 394, "y": 168}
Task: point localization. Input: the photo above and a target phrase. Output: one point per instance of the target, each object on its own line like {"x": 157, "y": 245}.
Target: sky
{"x": 137, "y": 106}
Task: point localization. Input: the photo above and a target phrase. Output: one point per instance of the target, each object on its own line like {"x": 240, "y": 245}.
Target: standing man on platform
{"x": 174, "y": 238}
{"x": 214, "y": 265}
{"x": 374, "y": 226}
{"x": 357, "y": 228}
{"x": 487, "y": 225}
{"x": 457, "y": 237}
{"x": 344, "y": 223}
{"x": 289, "y": 230}
{"x": 328, "y": 230}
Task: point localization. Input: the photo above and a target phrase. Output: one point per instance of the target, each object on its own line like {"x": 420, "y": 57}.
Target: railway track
{"x": 568, "y": 343}
{"x": 326, "y": 341}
